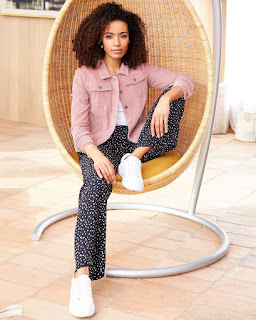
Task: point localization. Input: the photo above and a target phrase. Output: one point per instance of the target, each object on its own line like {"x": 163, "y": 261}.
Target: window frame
{"x": 27, "y": 12}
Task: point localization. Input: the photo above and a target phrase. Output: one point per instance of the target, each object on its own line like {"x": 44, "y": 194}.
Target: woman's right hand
{"x": 103, "y": 166}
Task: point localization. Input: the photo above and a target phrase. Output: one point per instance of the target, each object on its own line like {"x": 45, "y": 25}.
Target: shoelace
{"x": 134, "y": 167}
{"x": 79, "y": 289}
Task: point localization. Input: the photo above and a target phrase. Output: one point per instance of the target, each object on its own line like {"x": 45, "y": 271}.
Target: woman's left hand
{"x": 160, "y": 117}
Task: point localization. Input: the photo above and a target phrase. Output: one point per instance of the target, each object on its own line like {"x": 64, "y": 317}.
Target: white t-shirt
{"x": 121, "y": 120}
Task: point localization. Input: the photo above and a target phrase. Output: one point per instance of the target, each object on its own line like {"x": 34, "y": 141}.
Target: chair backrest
{"x": 176, "y": 40}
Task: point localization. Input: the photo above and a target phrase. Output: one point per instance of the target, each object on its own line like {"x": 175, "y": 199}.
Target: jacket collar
{"x": 104, "y": 72}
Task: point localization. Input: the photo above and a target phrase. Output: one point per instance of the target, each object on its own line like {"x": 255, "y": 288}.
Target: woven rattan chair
{"x": 173, "y": 26}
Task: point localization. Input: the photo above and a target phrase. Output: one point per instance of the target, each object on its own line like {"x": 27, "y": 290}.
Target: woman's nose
{"x": 117, "y": 41}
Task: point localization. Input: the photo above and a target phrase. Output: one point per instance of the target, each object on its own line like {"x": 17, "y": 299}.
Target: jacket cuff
{"x": 82, "y": 142}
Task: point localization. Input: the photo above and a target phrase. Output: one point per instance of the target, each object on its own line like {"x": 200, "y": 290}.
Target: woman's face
{"x": 116, "y": 39}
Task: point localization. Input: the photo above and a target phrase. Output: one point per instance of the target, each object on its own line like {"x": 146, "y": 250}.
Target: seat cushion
{"x": 152, "y": 167}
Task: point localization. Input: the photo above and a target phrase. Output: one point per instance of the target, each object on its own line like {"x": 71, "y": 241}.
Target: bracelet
{"x": 91, "y": 145}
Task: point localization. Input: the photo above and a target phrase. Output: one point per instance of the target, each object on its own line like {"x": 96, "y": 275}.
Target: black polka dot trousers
{"x": 90, "y": 230}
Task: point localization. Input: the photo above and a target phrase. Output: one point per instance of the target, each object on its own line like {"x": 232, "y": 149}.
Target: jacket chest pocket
{"x": 99, "y": 96}
{"x": 137, "y": 84}
{"x": 137, "y": 88}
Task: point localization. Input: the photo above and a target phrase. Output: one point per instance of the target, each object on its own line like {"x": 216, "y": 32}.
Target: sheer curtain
{"x": 240, "y": 72}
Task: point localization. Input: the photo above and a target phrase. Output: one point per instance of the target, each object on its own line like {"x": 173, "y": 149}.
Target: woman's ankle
{"x": 140, "y": 151}
{"x": 80, "y": 271}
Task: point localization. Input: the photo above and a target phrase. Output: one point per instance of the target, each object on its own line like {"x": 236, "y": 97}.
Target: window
{"x": 240, "y": 61}
{"x": 31, "y": 7}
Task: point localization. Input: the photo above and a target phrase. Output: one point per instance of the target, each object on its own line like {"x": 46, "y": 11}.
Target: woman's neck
{"x": 112, "y": 65}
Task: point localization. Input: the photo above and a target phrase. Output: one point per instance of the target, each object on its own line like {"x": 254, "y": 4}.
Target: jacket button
{"x": 134, "y": 79}
{"x": 121, "y": 91}
{"x": 130, "y": 120}
{"x": 125, "y": 107}
{"x": 100, "y": 87}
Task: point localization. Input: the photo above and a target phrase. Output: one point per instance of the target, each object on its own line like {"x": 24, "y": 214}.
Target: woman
{"x": 111, "y": 129}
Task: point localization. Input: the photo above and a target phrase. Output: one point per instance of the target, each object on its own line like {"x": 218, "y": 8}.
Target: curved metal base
{"x": 37, "y": 232}
{"x": 159, "y": 272}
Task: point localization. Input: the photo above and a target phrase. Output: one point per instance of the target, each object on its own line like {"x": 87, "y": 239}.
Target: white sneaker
{"x": 130, "y": 171}
{"x": 81, "y": 302}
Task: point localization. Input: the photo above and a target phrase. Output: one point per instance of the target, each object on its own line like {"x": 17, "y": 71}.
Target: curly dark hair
{"x": 88, "y": 39}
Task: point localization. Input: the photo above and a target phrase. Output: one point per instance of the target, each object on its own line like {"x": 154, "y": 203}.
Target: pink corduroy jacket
{"x": 96, "y": 94}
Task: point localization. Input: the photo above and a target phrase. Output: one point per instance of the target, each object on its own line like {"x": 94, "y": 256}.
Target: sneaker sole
{"x": 120, "y": 172}
{"x": 131, "y": 188}
{"x": 81, "y": 314}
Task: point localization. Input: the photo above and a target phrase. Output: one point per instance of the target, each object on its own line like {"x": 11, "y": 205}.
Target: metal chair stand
{"x": 157, "y": 272}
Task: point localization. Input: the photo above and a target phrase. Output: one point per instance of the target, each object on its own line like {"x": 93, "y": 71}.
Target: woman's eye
{"x": 122, "y": 36}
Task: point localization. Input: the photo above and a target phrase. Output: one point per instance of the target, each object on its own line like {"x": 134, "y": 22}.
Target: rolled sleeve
{"x": 80, "y": 129}
{"x": 163, "y": 78}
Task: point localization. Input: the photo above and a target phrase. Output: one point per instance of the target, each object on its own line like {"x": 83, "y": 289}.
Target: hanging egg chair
{"x": 173, "y": 26}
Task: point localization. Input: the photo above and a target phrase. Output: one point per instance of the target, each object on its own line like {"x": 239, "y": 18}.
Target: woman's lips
{"x": 117, "y": 51}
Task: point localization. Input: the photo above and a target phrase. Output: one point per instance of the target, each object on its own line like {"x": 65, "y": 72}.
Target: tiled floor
{"x": 36, "y": 183}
